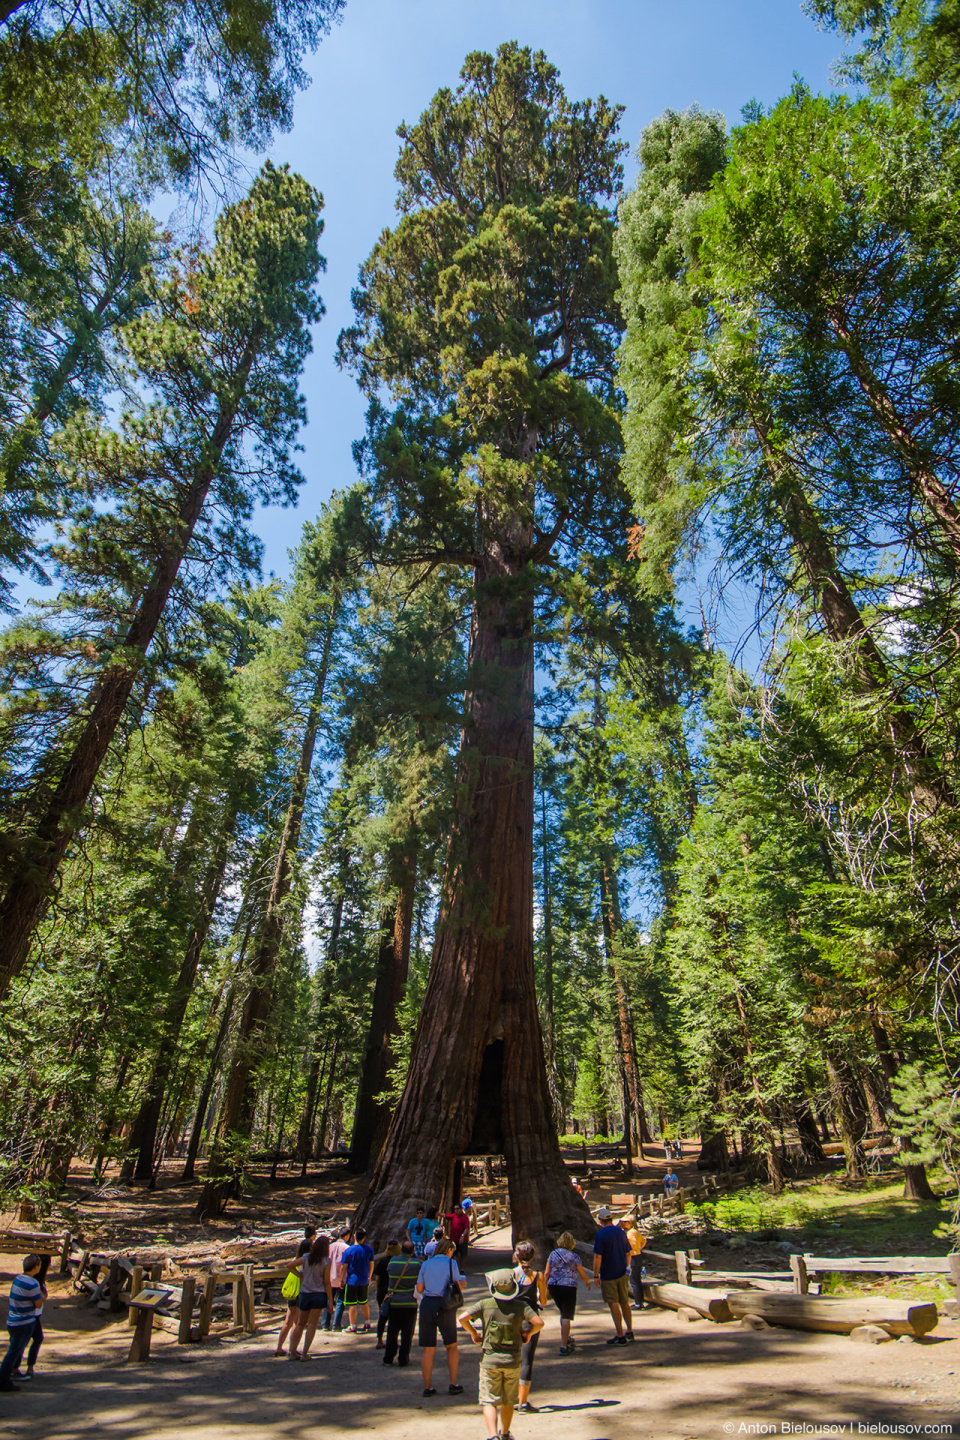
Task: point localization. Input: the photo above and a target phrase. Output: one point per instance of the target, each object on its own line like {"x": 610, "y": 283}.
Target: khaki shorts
{"x": 499, "y": 1384}
{"x": 616, "y": 1292}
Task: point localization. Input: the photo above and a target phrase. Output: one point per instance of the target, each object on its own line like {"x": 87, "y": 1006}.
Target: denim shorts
{"x": 312, "y": 1300}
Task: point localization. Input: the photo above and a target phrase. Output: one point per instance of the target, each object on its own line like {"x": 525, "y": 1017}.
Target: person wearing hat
{"x": 611, "y": 1259}
{"x": 503, "y": 1317}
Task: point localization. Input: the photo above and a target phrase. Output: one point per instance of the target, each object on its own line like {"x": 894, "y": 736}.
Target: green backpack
{"x": 502, "y": 1326}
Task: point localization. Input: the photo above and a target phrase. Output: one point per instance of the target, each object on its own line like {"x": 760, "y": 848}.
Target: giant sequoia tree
{"x": 488, "y": 314}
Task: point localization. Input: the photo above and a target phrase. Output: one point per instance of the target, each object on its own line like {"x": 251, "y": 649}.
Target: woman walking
{"x": 533, "y": 1289}
{"x": 563, "y": 1267}
{"x": 316, "y": 1295}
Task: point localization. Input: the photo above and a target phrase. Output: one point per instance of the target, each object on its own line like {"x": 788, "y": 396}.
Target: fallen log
{"x": 711, "y": 1304}
{"x": 837, "y": 1317}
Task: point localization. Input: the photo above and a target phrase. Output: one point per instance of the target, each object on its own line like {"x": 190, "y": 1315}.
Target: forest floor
{"x": 680, "y": 1380}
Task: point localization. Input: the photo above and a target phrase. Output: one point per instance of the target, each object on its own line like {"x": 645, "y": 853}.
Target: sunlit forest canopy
{"x": 591, "y": 768}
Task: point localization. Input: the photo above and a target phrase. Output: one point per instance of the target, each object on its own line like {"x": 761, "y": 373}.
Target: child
{"x": 503, "y": 1318}
{"x": 26, "y": 1303}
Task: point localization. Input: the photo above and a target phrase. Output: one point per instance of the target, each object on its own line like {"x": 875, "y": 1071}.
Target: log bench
{"x": 805, "y": 1265}
{"x": 37, "y": 1242}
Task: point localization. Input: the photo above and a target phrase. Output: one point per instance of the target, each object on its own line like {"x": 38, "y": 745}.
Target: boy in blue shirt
{"x": 26, "y": 1302}
{"x": 357, "y": 1265}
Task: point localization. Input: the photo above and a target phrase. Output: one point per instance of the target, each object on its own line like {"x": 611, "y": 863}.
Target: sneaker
{"x": 403, "y": 1362}
{"x": 527, "y": 1409}
{"x": 616, "y": 1340}
{"x": 352, "y": 1330}
{"x": 365, "y": 1329}
{"x": 431, "y": 1391}
{"x": 19, "y": 1375}
{"x": 385, "y": 1361}
{"x": 454, "y": 1389}
{"x": 564, "y": 1350}
{"x": 630, "y": 1337}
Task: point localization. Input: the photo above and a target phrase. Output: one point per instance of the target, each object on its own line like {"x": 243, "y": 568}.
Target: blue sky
{"x": 386, "y": 60}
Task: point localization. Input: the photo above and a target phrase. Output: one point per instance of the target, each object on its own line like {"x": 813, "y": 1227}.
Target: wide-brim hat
{"x": 502, "y": 1285}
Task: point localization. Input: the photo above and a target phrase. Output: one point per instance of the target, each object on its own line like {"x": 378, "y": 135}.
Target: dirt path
{"x": 680, "y": 1380}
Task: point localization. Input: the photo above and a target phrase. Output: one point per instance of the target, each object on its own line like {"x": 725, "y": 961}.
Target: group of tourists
{"x": 420, "y": 1288}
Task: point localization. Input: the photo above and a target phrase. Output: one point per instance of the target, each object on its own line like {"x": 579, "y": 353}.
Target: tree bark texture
{"x": 848, "y": 1108}
{"x": 477, "y": 1081}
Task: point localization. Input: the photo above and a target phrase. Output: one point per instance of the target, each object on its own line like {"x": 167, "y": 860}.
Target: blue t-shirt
{"x": 21, "y": 1309}
{"x": 420, "y": 1231}
{"x": 613, "y": 1247}
{"x": 356, "y": 1261}
{"x": 436, "y": 1272}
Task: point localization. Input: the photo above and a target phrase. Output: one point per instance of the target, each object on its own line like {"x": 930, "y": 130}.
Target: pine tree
{"x": 222, "y": 348}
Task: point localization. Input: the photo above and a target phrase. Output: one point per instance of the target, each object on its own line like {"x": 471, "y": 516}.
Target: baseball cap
{"x": 604, "y": 1213}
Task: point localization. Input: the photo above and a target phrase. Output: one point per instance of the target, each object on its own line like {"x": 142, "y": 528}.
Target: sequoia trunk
{"x": 477, "y": 1080}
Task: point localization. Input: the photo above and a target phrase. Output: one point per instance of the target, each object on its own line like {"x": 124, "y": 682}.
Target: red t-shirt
{"x": 459, "y": 1227}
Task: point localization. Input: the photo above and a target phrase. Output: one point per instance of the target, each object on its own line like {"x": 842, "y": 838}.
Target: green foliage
{"x": 165, "y": 89}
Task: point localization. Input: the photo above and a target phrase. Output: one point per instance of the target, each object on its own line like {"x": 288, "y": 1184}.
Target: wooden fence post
{"x": 798, "y": 1266}
{"x": 206, "y": 1304}
{"x": 136, "y": 1285}
{"x": 683, "y": 1267}
{"x": 65, "y": 1252}
{"x": 249, "y": 1322}
{"x": 186, "y": 1309}
{"x": 113, "y": 1285}
{"x": 955, "y": 1272}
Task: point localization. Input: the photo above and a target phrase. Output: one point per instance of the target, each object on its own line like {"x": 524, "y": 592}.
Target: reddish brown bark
{"x": 477, "y": 1080}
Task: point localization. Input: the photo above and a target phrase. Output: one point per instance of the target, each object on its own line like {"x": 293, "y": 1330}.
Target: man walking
{"x": 611, "y": 1255}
